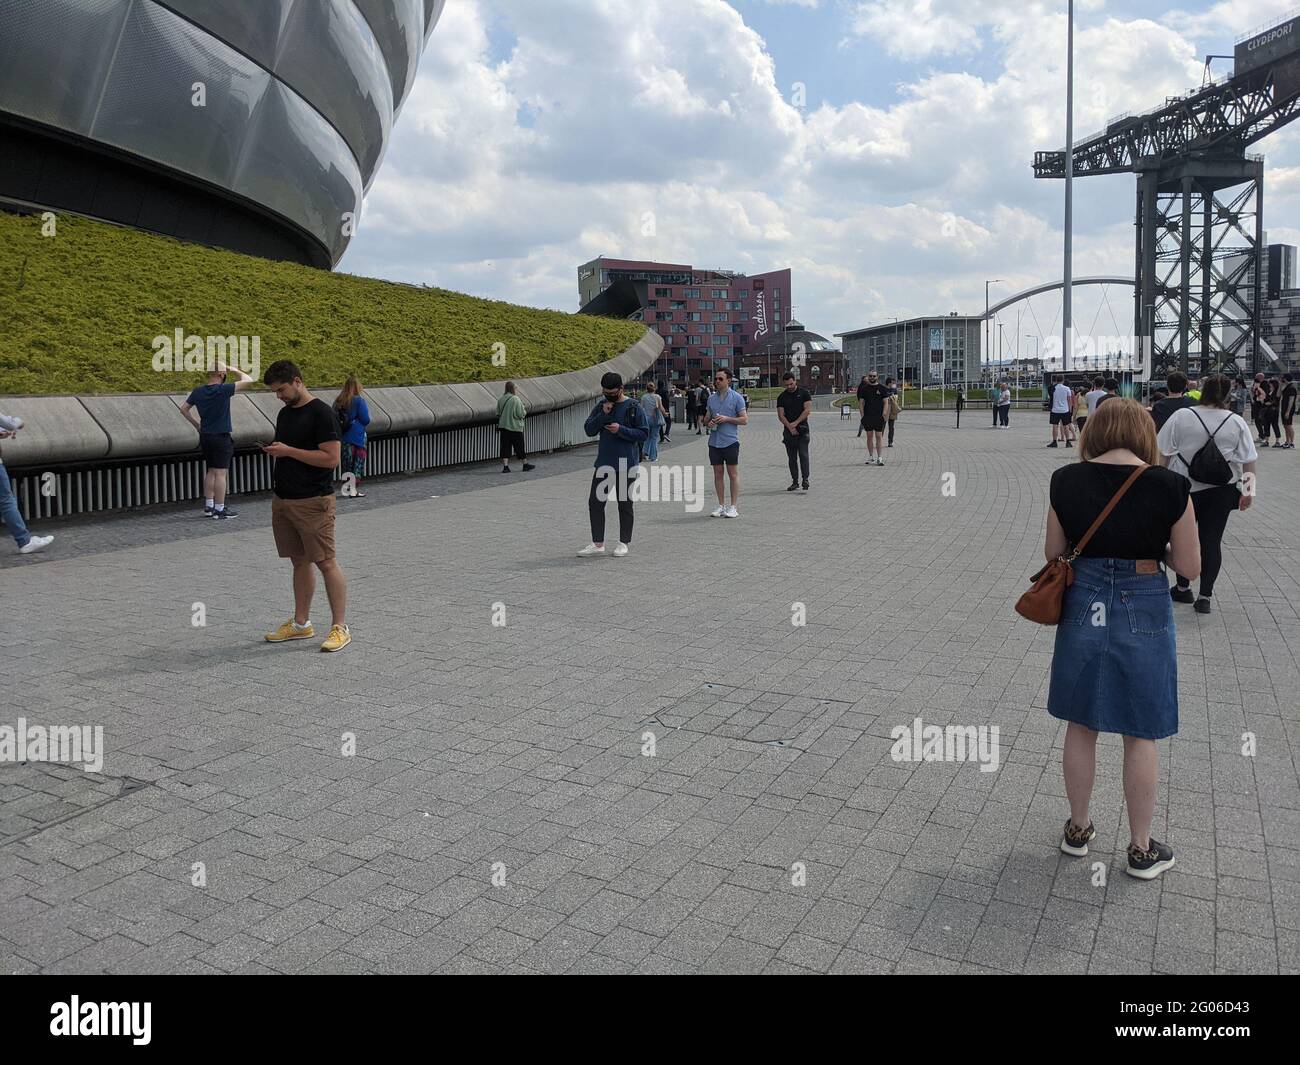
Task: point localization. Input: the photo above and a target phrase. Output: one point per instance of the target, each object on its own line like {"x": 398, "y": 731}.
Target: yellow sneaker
{"x": 289, "y": 631}
{"x": 338, "y": 639}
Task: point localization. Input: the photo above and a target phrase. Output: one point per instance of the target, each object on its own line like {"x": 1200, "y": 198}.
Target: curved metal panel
{"x": 254, "y": 27}
{"x": 54, "y": 57}
{"x": 296, "y": 164}
{"x": 399, "y": 28}
{"x": 329, "y": 55}
{"x": 149, "y": 104}
{"x": 432, "y": 12}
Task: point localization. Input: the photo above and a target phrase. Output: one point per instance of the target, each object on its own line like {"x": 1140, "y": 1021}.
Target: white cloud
{"x": 656, "y": 129}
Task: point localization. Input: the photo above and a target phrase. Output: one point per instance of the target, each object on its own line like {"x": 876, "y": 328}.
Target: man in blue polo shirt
{"x": 216, "y": 441}
{"x": 726, "y": 413}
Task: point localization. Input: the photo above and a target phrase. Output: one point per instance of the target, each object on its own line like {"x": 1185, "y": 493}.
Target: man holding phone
{"x": 306, "y": 453}
{"x": 726, "y": 412}
{"x": 621, "y": 425}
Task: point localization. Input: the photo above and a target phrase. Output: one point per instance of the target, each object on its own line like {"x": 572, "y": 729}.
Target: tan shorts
{"x": 304, "y": 528}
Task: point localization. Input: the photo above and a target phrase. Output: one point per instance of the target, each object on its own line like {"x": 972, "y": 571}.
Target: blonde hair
{"x": 351, "y": 389}
{"x": 1120, "y": 423}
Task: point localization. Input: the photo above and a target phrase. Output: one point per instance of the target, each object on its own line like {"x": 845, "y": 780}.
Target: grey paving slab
{"x": 498, "y": 809}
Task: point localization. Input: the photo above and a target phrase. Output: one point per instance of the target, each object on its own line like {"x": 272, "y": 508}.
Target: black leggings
{"x": 596, "y": 509}
{"x": 1212, "y": 507}
{"x": 1266, "y": 422}
{"x": 891, "y": 432}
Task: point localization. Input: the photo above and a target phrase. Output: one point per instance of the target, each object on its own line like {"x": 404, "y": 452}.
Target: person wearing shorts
{"x": 725, "y": 414}
{"x": 216, "y": 439}
{"x": 1062, "y": 403}
{"x": 306, "y": 453}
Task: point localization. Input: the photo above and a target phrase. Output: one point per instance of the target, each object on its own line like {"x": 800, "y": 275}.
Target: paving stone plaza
{"x": 499, "y": 810}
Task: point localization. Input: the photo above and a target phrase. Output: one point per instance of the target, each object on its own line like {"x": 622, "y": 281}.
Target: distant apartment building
{"x": 932, "y": 350}
{"x": 709, "y": 319}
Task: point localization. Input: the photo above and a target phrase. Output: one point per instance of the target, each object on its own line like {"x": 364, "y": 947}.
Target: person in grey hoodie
{"x": 621, "y": 425}
{"x": 9, "y": 512}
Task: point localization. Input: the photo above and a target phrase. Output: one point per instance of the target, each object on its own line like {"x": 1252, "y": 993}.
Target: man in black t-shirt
{"x": 306, "y": 453}
{"x": 871, "y": 402}
{"x": 1163, "y": 409}
{"x": 794, "y": 407}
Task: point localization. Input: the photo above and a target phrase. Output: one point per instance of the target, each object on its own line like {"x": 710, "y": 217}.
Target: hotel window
{"x": 679, "y": 328}
{"x": 652, "y": 303}
{"x": 693, "y": 316}
{"x": 663, "y": 292}
{"x": 737, "y": 328}
{"x": 720, "y": 316}
{"x": 719, "y": 293}
{"x": 663, "y": 316}
{"x": 733, "y": 305}
{"x": 744, "y": 295}
{"x": 694, "y": 342}
{"x": 705, "y": 305}
{"x": 707, "y": 328}
{"x": 744, "y": 316}
{"x": 678, "y": 305}
{"x": 692, "y": 293}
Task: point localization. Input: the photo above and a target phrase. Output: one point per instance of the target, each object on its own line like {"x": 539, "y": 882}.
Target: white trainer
{"x": 620, "y": 550}
{"x": 592, "y": 549}
{"x": 731, "y": 512}
{"x": 719, "y": 512}
{"x": 36, "y": 543}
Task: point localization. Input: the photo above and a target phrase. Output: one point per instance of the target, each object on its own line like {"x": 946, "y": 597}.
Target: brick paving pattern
{"x": 516, "y": 750}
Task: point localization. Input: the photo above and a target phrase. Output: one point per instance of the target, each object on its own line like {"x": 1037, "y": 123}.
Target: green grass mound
{"x": 81, "y": 310}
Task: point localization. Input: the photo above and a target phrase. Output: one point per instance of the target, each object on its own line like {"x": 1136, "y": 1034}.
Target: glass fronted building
{"x": 254, "y": 125}
{"x": 921, "y": 351}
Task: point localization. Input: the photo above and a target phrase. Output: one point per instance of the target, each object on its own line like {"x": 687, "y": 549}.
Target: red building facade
{"x": 709, "y": 319}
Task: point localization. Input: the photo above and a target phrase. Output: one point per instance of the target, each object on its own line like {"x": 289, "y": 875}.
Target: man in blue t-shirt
{"x": 216, "y": 441}
{"x": 725, "y": 414}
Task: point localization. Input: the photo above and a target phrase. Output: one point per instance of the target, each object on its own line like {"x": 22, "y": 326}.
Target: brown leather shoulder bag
{"x": 1043, "y": 602}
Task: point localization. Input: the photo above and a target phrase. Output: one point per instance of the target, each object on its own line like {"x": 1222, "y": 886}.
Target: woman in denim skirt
{"x": 1114, "y": 667}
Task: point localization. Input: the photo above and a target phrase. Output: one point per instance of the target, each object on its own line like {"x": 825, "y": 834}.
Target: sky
{"x": 881, "y": 149}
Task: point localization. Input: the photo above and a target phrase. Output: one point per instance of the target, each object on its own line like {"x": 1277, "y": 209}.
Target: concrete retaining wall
{"x": 74, "y": 429}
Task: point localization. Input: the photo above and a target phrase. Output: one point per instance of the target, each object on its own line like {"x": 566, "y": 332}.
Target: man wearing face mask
{"x": 620, "y": 423}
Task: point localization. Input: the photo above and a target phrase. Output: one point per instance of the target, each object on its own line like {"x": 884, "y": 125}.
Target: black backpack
{"x": 344, "y": 418}
{"x": 1208, "y": 464}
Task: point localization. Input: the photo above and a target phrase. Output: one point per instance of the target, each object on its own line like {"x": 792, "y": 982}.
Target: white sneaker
{"x": 731, "y": 512}
{"x": 36, "y": 543}
{"x": 880, "y": 460}
{"x": 719, "y": 512}
{"x": 620, "y": 550}
{"x": 591, "y": 549}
